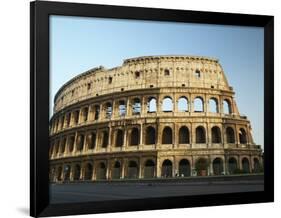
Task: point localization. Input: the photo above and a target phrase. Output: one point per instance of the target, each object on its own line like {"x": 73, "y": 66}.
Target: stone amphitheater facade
{"x": 152, "y": 117}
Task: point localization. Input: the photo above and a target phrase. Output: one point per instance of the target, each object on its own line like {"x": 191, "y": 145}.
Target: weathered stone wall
{"x": 107, "y": 130}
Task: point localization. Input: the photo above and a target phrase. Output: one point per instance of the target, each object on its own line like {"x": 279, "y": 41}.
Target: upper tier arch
{"x": 144, "y": 73}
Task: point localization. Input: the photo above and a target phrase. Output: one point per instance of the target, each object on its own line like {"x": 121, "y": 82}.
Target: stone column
{"x": 175, "y": 138}
{"x": 250, "y": 164}
{"x": 226, "y": 170}
{"x": 158, "y": 129}
{"x": 140, "y": 168}
{"x": 79, "y": 116}
{"x": 190, "y": 104}
{"x": 123, "y": 169}
{"x": 211, "y": 172}
{"x": 127, "y": 107}
{"x": 84, "y": 143}
{"x": 82, "y": 172}
{"x": 206, "y": 106}
{"x": 158, "y": 168}
{"x": 236, "y": 134}
{"x": 113, "y": 110}
{"x": 110, "y": 139}
{"x": 209, "y": 135}
{"x": 75, "y": 143}
{"x": 143, "y": 106}
{"x": 141, "y": 134}
{"x": 125, "y": 143}
{"x": 71, "y": 175}
{"x": 107, "y": 170}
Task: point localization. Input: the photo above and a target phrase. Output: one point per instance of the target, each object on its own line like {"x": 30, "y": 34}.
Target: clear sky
{"x": 78, "y": 44}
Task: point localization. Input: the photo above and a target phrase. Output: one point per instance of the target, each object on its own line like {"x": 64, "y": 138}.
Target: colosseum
{"x": 152, "y": 117}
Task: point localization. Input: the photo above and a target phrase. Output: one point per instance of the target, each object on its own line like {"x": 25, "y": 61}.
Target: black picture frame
{"x": 39, "y": 106}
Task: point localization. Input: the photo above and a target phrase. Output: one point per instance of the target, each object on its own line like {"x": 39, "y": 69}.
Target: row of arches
{"x": 132, "y": 137}
{"x": 121, "y": 108}
{"x": 133, "y": 170}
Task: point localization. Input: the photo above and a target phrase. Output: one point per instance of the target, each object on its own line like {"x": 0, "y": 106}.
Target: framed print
{"x": 141, "y": 109}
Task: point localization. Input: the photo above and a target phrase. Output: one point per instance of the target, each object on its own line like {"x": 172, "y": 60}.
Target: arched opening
{"x": 104, "y": 139}
{"x": 149, "y": 169}
{"x": 167, "y": 105}
{"x": 150, "y": 135}
{"x": 88, "y": 171}
{"x": 232, "y": 165}
{"x": 62, "y": 147}
{"x": 213, "y": 105}
{"x": 85, "y": 114}
{"x": 97, "y": 112}
{"x": 136, "y": 106}
{"x": 108, "y": 110}
{"x": 216, "y": 135}
{"x": 134, "y": 137}
{"x": 167, "y": 135}
{"x": 182, "y": 104}
{"x": 67, "y": 120}
{"x": 151, "y": 105}
{"x": 59, "y": 174}
{"x": 198, "y": 104}
{"x": 197, "y": 74}
{"x": 184, "y": 168}
{"x": 101, "y": 171}
{"x": 218, "y": 166}
{"x": 227, "y": 107}
{"x": 245, "y": 165}
{"x": 242, "y": 136}
{"x": 167, "y": 168}
{"x": 230, "y": 137}
{"x": 76, "y": 117}
{"x": 201, "y": 167}
{"x": 80, "y": 143}
{"x": 122, "y": 108}
{"x": 257, "y": 167}
{"x": 183, "y": 135}
{"x": 77, "y": 172}
{"x": 56, "y": 148}
{"x": 119, "y": 138}
{"x": 67, "y": 170}
{"x": 137, "y": 74}
{"x": 71, "y": 143}
{"x": 132, "y": 170}
{"x": 116, "y": 171}
{"x": 91, "y": 141}
{"x": 166, "y": 72}
{"x": 62, "y": 122}
{"x": 200, "y": 135}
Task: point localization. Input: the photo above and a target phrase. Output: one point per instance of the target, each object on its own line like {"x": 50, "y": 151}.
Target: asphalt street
{"x": 85, "y": 192}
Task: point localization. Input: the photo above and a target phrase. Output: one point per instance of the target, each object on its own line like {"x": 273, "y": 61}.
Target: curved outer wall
{"x": 156, "y": 116}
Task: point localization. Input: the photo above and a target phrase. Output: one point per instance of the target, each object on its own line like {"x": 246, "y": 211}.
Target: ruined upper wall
{"x": 144, "y": 73}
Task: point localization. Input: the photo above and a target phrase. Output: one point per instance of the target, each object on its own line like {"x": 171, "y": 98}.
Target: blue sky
{"x": 78, "y": 44}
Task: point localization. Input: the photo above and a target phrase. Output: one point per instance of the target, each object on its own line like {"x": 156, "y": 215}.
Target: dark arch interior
{"x": 150, "y": 135}
{"x": 167, "y": 136}
{"x": 132, "y": 170}
{"x": 216, "y": 135}
{"x": 184, "y": 168}
{"x": 200, "y": 135}
{"x": 119, "y": 138}
{"x": 183, "y": 135}
{"x": 134, "y": 139}
{"x": 218, "y": 166}
{"x": 167, "y": 169}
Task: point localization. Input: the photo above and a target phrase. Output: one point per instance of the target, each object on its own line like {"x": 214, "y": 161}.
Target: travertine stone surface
{"x": 141, "y": 120}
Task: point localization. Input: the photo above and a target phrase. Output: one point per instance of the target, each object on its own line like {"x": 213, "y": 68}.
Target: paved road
{"x": 70, "y": 193}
